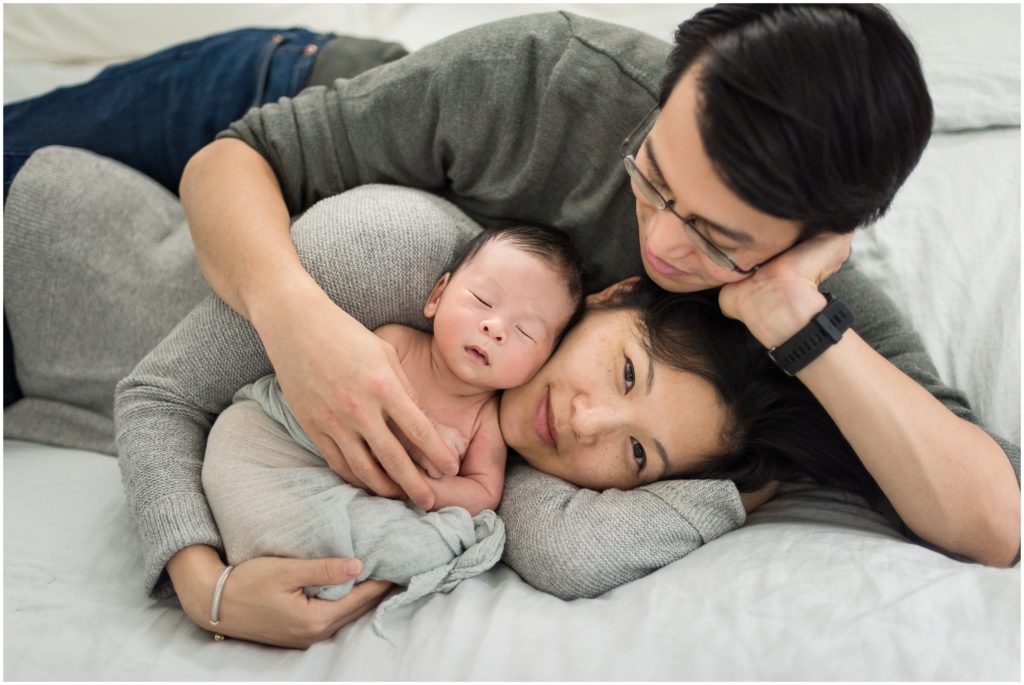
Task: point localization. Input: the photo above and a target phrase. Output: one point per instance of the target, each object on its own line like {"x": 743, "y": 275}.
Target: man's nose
{"x": 667, "y": 237}
{"x": 494, "y": 328}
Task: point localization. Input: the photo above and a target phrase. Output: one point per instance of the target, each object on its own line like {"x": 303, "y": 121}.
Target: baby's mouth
{"x": 478, "y": 355}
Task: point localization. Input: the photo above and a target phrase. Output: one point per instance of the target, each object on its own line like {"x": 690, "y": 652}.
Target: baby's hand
{"x": 451, "y": 437}
{"x": 454, "y": 439}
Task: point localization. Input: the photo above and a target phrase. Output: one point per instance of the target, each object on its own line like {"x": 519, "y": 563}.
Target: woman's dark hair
{"x": 775, "y": 428}
{"x": 814, "y": 113}
{"x": 551, "y": 244}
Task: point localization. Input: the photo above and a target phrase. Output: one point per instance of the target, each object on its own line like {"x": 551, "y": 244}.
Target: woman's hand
{"x": 346, "y": 387}
{"x": 782, "y": 296}
{"x": 263, "y": 599}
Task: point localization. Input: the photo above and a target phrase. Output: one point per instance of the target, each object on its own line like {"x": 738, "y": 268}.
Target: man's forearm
{"x": 948, "y": 480}
{"x": 240, "y": 227}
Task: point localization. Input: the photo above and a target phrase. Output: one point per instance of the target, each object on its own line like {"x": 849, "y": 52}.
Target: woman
{"x": 633, "y": 361}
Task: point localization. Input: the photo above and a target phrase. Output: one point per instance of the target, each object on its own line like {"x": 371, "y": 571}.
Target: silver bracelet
{"x": 215, "y": 606}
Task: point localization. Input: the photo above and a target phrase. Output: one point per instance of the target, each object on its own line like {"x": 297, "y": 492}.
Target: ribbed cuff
{"x": 712, "y": 507}
{"x": 168, "y": 526}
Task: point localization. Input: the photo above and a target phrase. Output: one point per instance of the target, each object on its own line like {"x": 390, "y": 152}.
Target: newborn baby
{"x": 498, "y": 314}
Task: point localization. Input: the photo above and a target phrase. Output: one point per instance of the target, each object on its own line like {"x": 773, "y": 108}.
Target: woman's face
{"x": 602, "y": 414}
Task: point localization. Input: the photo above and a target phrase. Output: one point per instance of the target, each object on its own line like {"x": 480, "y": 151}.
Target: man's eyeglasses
{"x": 654, "y": 198}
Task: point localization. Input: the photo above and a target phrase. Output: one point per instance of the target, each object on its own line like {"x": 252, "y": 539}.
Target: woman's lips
{"x": 663, "y": 268}
{"x": 542, "y": 419}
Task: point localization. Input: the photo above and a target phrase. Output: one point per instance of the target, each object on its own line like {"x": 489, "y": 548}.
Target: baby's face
{"x": 497, "y": 318}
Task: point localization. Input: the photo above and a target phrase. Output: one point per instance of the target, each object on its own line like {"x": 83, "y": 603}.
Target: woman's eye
{"x": 480, "y": 299}
{"x": 524, "y": 333}
{"x": 629, "y": 375}
{"x": 639, "y": 454}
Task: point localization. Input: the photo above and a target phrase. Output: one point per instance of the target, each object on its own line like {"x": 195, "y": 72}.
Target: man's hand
{"x": 782, "y": 296}
{"x": 263, "y": 599}
{"x": 344, "y": 385}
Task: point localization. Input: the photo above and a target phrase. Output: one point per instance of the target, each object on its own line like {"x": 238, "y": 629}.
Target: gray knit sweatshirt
{"x": 520, "y": 119}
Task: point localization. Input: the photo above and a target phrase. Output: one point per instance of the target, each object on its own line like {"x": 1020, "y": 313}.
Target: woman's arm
{"x": 576, "y": 543}
{"x": 263, "y": 599}
{"x": 950, "y": 481}
{"x": 165, "y": 407}
{"x": 482, "y": 474}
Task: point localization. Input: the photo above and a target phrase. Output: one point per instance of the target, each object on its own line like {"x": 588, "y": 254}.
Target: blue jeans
{"x": 156, "y": 112}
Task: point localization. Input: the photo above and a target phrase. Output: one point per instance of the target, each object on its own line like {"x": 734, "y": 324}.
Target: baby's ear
{"x": 430, "y": 308}
{"x": 613, "y": 293}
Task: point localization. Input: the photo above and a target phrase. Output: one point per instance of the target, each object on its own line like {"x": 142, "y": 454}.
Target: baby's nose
{"x": 493, "y": 329}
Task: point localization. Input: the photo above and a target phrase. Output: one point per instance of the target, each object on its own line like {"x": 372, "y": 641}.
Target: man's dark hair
{"x": 548, "y": 243}
{"x": 814, "y": 113}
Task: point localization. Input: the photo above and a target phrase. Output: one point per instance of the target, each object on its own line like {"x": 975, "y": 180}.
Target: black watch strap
{"x": 824, "y": 331}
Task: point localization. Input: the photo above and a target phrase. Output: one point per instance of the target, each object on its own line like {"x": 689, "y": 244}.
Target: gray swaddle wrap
{"x": 266, "y": 392}
{"x": 272, "y": 497}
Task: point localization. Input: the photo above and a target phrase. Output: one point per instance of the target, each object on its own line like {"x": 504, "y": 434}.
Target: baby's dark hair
{"x": 775, "y": 430}
{"x": 551, "y": 244}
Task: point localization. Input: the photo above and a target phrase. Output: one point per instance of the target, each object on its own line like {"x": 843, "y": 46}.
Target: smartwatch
{"x": 824, "y": 331}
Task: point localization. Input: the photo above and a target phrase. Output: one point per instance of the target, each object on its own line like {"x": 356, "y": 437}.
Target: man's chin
{"x": 688, "y": 283}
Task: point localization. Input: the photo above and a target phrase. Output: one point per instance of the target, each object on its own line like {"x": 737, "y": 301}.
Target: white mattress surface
{"x": 788, "y": 597}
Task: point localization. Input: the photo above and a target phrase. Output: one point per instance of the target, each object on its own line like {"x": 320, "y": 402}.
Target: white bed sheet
{"x": 948, "y": 253}
{"x": 785, "y": 598}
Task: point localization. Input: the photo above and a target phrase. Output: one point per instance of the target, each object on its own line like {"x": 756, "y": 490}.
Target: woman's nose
{"x": 590, "y": 419}
{"x": 494, "y": 328}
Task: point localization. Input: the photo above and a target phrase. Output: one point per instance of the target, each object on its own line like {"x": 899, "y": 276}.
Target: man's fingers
{"x": 365, "y": 472}
{"x": 357, "y": 467}
{"x": 336, "y": 460}
{"x": 400, "y": 467}
{"x": 420, "y": 431}
{"x": 407, "y": 415}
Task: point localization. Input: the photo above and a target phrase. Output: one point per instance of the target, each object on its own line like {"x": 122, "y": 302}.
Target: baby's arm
{"x": 481, "y": 477}
{"x": 403, "y": 338}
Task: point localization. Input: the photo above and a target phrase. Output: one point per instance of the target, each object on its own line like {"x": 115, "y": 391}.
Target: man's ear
{"x": 613, "y": 293}
{"x": 430, "y": 308}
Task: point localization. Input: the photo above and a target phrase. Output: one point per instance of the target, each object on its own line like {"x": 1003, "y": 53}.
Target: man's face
{"x": 673, "y": 158}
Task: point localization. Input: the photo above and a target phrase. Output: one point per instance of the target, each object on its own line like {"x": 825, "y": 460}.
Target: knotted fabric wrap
{"x": 272, "y": 497}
